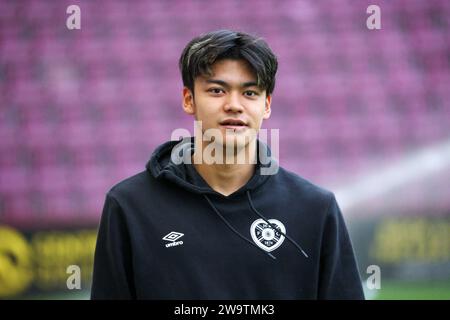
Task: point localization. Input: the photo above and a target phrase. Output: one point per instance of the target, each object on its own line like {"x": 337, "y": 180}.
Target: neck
{"x": 228, "y": 178}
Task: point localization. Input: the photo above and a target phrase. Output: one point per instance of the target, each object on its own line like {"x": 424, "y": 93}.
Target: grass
{"x": 75, "y": 295}
{"x": 390, "y": 290}
{"x": 396, "y": 290}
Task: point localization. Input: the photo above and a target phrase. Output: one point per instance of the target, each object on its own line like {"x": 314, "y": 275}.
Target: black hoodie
{"x": 165, "y": 234}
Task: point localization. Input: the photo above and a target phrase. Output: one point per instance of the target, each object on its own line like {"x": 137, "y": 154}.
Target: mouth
{"x": 233, "y": 124}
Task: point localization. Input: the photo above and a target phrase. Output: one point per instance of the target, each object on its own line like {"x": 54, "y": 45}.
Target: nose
{"x": 233, "y": 104}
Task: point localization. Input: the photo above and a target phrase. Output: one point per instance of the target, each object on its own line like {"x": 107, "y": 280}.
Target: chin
{"x": 237, "y": 141}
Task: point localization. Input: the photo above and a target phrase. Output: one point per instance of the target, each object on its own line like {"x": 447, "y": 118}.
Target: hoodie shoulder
{"x": 301, "y": 186}
{"x": 131, "y": 185}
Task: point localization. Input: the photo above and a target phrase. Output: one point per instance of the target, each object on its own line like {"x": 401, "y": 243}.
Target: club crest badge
{"x": 265, "y": 236}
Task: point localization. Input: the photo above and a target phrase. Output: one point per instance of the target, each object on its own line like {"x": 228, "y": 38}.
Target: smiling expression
{"x": 230, "y": 101}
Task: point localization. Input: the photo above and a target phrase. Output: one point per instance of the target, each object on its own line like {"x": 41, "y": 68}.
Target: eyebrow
{"x": 226, "y": 85}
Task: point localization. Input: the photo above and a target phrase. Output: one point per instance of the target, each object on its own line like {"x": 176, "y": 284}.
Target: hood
{"x": 171, "y": 161}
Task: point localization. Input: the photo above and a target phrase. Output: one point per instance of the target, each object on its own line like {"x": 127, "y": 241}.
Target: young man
{"x": 200, "y": 224}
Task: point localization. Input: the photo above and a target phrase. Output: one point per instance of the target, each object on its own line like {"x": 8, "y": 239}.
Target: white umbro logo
{"x": 173, "y": 237}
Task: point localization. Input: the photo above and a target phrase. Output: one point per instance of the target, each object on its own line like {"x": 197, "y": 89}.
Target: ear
{"x": 267, "y": 109}
{"x": 188, "y": 101}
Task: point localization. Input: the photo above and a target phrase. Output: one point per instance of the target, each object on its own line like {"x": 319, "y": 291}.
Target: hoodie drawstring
{"x": 272, "y": 226}
{"x": 262, "y": 217}
{"x": 234, "y": 230}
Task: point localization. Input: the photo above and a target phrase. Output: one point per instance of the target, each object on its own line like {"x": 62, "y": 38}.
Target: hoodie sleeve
{"x": 112, "y": 275}
{"x": 339, "y": 274}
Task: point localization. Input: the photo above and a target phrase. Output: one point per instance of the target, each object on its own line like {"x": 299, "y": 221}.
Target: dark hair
{"x": 203, "y": 51}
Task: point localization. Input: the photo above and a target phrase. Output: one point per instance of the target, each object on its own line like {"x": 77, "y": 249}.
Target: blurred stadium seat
{"x": 81, "y": 110}
{"x": 106, "y": 95}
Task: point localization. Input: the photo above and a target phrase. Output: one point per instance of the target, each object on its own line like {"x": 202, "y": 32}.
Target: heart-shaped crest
{"x": 265, "y": 236}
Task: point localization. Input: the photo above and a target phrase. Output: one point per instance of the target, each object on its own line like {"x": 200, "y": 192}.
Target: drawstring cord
{"x": 234, "y": 230}
{"x": 262, "y": 217}
{"x": 272, "y": 226}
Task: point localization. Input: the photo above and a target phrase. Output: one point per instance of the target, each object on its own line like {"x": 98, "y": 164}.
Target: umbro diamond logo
{"x": 173, "y": 237}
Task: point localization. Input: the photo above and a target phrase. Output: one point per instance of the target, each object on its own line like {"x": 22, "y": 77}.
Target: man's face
{"x": 229, "y": 101}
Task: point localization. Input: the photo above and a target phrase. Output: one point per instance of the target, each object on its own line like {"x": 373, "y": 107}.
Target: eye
{"x": 216, "y": 90}
{"x": 251, "y": 93}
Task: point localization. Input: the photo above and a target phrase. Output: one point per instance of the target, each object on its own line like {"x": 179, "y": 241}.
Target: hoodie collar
{"x": 170, "y": 161}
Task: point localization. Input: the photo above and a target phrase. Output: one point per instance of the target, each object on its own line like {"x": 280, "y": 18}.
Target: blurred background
{"x": 362, "y": 112}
